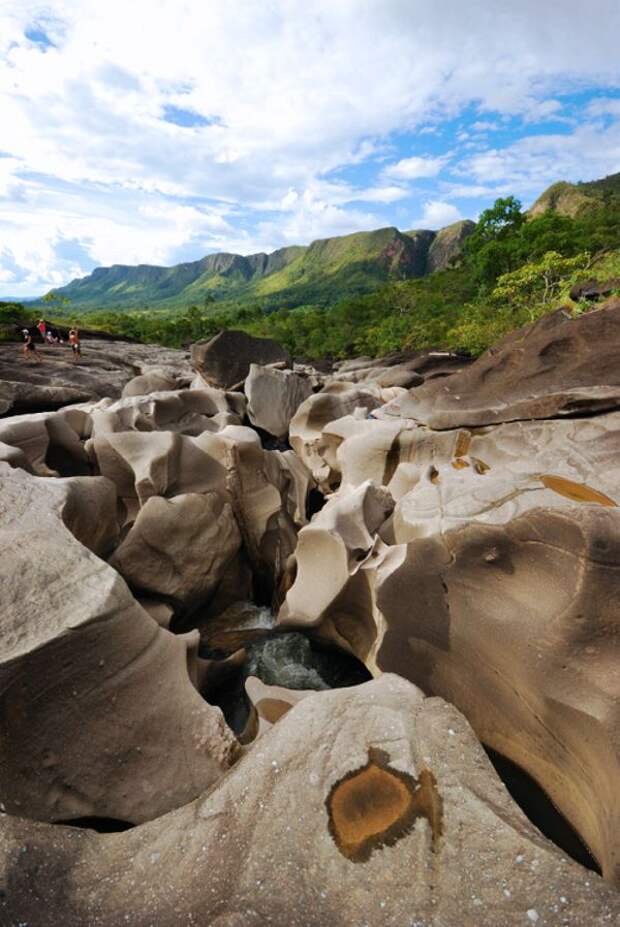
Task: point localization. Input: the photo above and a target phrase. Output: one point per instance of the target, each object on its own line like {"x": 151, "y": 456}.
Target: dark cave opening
{"x": 540, "y": 810}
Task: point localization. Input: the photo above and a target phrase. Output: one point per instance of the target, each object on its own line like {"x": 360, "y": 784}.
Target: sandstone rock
{"x": 371, "y": 805}
{"x": 266, "y": 489}
{"x": 90, "y": 686}
{"x": 153, "y": 381}
{"x": 180, "y": 547}
{"x": 225, "y": 360}
{"x": 405, "y": 368}
{"x": 161, "y": 612}
{"x": 189, "y": 412}
{"x": 556, "y": 366}
{"x": 274, "y": 397}
{"x": 499, "y": 560}
{"x": 330, "y": 553}
{"x": 594, "y": 289}
{"x": 104, "y": 369}
{"x": 269, "y": 704}
{"x": 50, "y": 441}
{"x": 306, "y": 431}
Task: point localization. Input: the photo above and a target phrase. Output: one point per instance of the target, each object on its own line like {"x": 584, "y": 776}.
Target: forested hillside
{"x": 514, "y": 267}
{"x": 318, "y": 274}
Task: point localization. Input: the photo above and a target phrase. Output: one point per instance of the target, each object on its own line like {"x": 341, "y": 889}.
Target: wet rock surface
{"x": 192, "y": 611}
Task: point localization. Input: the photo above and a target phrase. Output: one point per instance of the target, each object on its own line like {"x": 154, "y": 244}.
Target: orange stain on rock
{"x": 375, "y": 806}
{"x": 578, "y": 492}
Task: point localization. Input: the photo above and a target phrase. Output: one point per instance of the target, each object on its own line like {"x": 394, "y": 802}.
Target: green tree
{"x": 534, "y": 285}
{"x": 491, "y": 250}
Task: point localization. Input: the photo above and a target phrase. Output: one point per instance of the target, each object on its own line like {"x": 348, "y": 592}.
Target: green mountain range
{"x": 575, "y": 199}
{"x": 317, "y": 274}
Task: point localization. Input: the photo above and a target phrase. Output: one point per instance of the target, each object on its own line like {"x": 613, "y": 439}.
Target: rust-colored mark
{"x": 578, "y": 492}
{"x": 480, "y": 466}
{"x": 462, "y": 443}
{"x": 272, "y": 709}
{"x": 434, "y": 475}
{"x": 376, "y": 805}
{"x": 459, "y": 464}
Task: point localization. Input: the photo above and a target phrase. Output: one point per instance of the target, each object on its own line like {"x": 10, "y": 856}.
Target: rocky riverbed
{"x": 293, "y": 648}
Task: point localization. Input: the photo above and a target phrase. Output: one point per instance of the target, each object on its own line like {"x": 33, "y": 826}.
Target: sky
{"x": 158, "y": 132}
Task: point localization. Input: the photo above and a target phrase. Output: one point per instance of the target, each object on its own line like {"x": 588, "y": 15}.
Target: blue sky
{"x": 157, "y": 133}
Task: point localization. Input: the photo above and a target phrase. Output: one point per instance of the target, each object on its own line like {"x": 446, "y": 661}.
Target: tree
{"x": 502, "y": 219}
{"x": 491, "y": 250}
{"x": 533, "y": 286}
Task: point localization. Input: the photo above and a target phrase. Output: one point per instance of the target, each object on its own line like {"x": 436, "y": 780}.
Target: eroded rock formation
{"x": 154, "y": 553}
{"x": 366, "y": 805}
{"x": 556, "y": 366}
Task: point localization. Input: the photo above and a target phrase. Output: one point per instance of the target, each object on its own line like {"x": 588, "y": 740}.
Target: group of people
{"x": 49, "y": 336}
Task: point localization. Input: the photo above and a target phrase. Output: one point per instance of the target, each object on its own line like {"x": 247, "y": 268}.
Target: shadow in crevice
{"x": 101, "y": 825}
{"x": 287, "y": 659}
{"x": 541, "y": 811}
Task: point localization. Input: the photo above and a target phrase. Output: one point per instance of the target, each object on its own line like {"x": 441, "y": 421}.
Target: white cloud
{"x": 436, "y": 215}
{"x": 532, "y": 163}
{"x": 604, "y": 106}
{"x": 288, "y": 104}
{"x": 414, "y": 168}
{"x": 485, "y": 126}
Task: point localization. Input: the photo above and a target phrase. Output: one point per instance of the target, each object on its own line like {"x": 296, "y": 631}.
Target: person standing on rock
{"x": 41, "y": 326}
{"x": 74, "y": 341}
{"x": 30, "y": 350}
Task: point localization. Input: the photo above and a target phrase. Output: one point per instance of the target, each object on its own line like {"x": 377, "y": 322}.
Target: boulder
{"x": 90, "y": 686}
{"x": 268, "y": 705}
{"x": 179, "y": 548}
{"x": 307, "y": 430}
{"x": 556, "y": 366}
{"x": 266, "y": 490}
{"x": 190, "y": 412}
{"x": 274, "y": 397}
{"x": 371, "y": 805}
{"x": 225, "y": 360}
{"x": 330, "y": 553}
{"x": 594, "y": 289}
{"x": 51, "y": 442}
{"x": 153, "y": 381}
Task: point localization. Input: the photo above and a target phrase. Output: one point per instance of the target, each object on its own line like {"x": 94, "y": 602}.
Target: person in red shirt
{"x": 74, "y": 341}
{"x": 41, "y": 326}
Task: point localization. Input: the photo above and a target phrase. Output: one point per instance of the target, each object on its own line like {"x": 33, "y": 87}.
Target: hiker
{"x": 41, "y": 326}
{"x": 30, "y": 350}
{"x": 74, "y": 341}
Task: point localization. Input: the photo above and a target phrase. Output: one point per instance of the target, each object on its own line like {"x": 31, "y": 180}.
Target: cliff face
{"x": 320, "y": 272}
{"x": 447, "y": 245}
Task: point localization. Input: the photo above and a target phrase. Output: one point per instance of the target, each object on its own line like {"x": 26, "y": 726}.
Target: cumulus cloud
{"x": 165, "y": 119}
{"x": 436, "y": 215}
{"x": 415, "y": 167}
{"x": 531, "y": 163}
